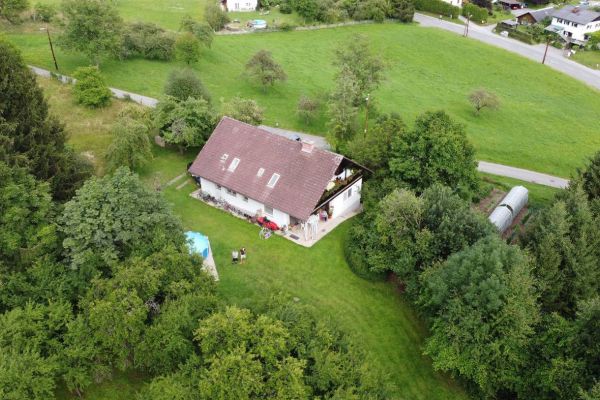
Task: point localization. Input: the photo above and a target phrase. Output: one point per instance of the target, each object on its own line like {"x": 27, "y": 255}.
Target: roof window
{"x": 273, "y": 180}
{"x": 224, "y": 157}
{"x": 260, "y": 172}
{"x": 233, "y": 165}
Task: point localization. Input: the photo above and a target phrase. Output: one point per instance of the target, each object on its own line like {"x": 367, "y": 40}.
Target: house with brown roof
{"x": 265, "y": 174}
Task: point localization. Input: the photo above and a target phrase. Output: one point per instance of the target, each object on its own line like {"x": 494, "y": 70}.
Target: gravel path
{"x": 523, "y": 175}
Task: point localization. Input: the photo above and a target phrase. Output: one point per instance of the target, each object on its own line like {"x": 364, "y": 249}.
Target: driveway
{"x": 554, "y": 59}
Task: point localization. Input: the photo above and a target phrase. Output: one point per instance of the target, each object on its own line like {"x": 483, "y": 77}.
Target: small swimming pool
{"x": 198, "y": 243}
{"x": 259, "y": 24}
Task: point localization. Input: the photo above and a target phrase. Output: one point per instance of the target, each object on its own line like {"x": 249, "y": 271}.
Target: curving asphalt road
{"x": 554, "y": 59}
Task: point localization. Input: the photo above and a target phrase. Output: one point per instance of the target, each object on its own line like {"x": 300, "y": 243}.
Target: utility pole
{"x": 546, "y": 51}
{"x": 367, "y": 115}
{"x": 51, "y": 47}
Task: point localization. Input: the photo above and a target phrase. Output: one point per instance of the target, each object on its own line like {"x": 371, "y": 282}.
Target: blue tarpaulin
{"x": 198, "y": 243}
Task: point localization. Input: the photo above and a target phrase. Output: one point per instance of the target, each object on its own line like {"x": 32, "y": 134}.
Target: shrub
{"x": 286, "y": 27}
{"x": 147, "y": 40}
{"x": 215, "y": 16}
{"x": 244, "y": 110}
{"x": 202, "y": 30}
{"x": 307, "y": 109}
{"x": 437, "y": 7}
{"x": 355, "y": 254}
{"x": 44, "y": 12}
{"x": 91, "y": 89}
{"x": 375, "y": 10}
{"x": 183, "y": 84}
{"x": 285, "y": 8}
{"x": 402, "y": 10}
{"x": 187, "y": 48}
{"x": 477, "y": 13}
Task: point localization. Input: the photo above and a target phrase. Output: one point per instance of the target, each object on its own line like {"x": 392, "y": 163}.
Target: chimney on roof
{"x": 308, "y": 146}
{"x": 575, "y": 10}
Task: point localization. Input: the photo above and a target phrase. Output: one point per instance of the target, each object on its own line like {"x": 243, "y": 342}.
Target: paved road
{"x": 523, "y": 174}
{"x": 319, "y": 141}
{"x": 554, "y": 58}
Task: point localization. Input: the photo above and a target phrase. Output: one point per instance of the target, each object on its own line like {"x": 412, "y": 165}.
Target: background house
{"x": 531, "y": 17}
{"x": 265, "y": 174}
{"x": 240, "y": 5}
{"x": 574, "y": 24}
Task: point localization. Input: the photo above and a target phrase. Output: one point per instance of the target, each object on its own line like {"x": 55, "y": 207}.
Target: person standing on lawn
{"x": 242, "y": 255}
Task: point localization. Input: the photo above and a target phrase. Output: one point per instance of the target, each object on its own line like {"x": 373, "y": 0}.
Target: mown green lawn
{"x": 373, "y": 313}
{"x": 547, "y": 121}
{"x": 589, "y": 58}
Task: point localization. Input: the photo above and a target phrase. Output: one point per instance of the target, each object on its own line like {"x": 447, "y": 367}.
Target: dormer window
{"x": 273, "y": 180}
{"x": 233, "y": 165}
{"x": 260, "y": 172}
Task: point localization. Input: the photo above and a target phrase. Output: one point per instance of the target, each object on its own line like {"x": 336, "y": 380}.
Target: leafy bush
{"x": 187, "y": 48}
{"x": 91, "y": 89}
{"x": 286, "y": 27}
{"x": 437, "y": 7}
{"x": 476, "y": 13}
{"x": 307, "y": 109}
{"x": 147, "y": 40}
{"x": 375, "y": 10}
{"x": 183, "y": 84}
{"x": 285, "y": 8}
{"x": 244, "y": 110}
{"x": 44, "y": 12}
{"x": 402, "y": 10}
{"x": 202, "y": 30}
{"x": 130, "y": 145}
{"x": 215, "y": 16}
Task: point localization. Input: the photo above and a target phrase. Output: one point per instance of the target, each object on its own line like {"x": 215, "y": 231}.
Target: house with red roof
{"x": 267, "y": 175}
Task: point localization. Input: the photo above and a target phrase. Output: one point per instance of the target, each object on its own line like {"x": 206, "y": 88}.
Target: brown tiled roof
{"x": 303, "y": 176}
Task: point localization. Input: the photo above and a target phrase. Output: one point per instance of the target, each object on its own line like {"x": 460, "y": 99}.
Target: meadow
{"x": 546, "y": 122}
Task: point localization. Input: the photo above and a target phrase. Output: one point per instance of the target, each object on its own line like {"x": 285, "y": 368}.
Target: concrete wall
{"x": 250, "y": 206}
{"x": 342, "y": 203}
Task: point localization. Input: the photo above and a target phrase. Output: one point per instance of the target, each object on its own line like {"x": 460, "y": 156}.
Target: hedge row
{"x": 477, "y": 13}
{"x": 437, "y": 7}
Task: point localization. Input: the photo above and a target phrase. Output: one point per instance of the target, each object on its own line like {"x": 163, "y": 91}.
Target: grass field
{"x": 547, "y": 121}
{"x": 589, "y": 58}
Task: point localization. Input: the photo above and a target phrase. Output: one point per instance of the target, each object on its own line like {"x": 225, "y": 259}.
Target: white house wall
{"x": 242, "y": 5}
{"x": 341, "y": 204}
{"x": 251, "y": 207}
{"x": 578, "y": 31}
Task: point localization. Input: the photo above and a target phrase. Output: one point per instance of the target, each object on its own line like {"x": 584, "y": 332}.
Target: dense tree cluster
{"x": 330, "y": 11}
{"x": 512, "y": 320}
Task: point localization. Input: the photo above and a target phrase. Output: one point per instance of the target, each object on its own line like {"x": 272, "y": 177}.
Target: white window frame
{"x": 260, "y": 172}
{"x": 231, "y": 192}
{"x": 265, "y": 207}
{"x": 234, "y": 163}
{"x": 273, "y": 181}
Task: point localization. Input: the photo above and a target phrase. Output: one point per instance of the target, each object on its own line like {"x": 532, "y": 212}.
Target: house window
{"x": 260, "y": 172}
{"x": 273, "y": 180}
{"x": 218, "y": 187}
{"x": 231, "y": 192}
{"x": 268, "y": 210}
{"x": 348, "y": 194}
{"x": 233, "y": 165}
{"x": 245, "y": 199}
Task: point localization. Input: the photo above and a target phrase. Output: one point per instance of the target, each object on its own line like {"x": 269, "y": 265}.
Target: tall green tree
{"x": 402, "y": 10}
{"x": 590, "y": 177}
{"x": 92, "y": 27}
{"x": 215, "y": 16}
{"x": 184, "y": 83}
{"x": 187, "y": 48}
{"x": 564, "y": 241}
{"x": 202, "y": 30}
{"x": 185, "y": 124}
{"x": 483, "y": 305}
{"x": 263, "y": 68}
{"x": 342, "y": 109}
{"x": 435, "y": 151}
{"x": 114, "y": 217}
{"x": 29, "y": 136}
{"x": 130, "y": 146}
{"x": 360, "y": 61}
{"x": 12, "y": 9}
